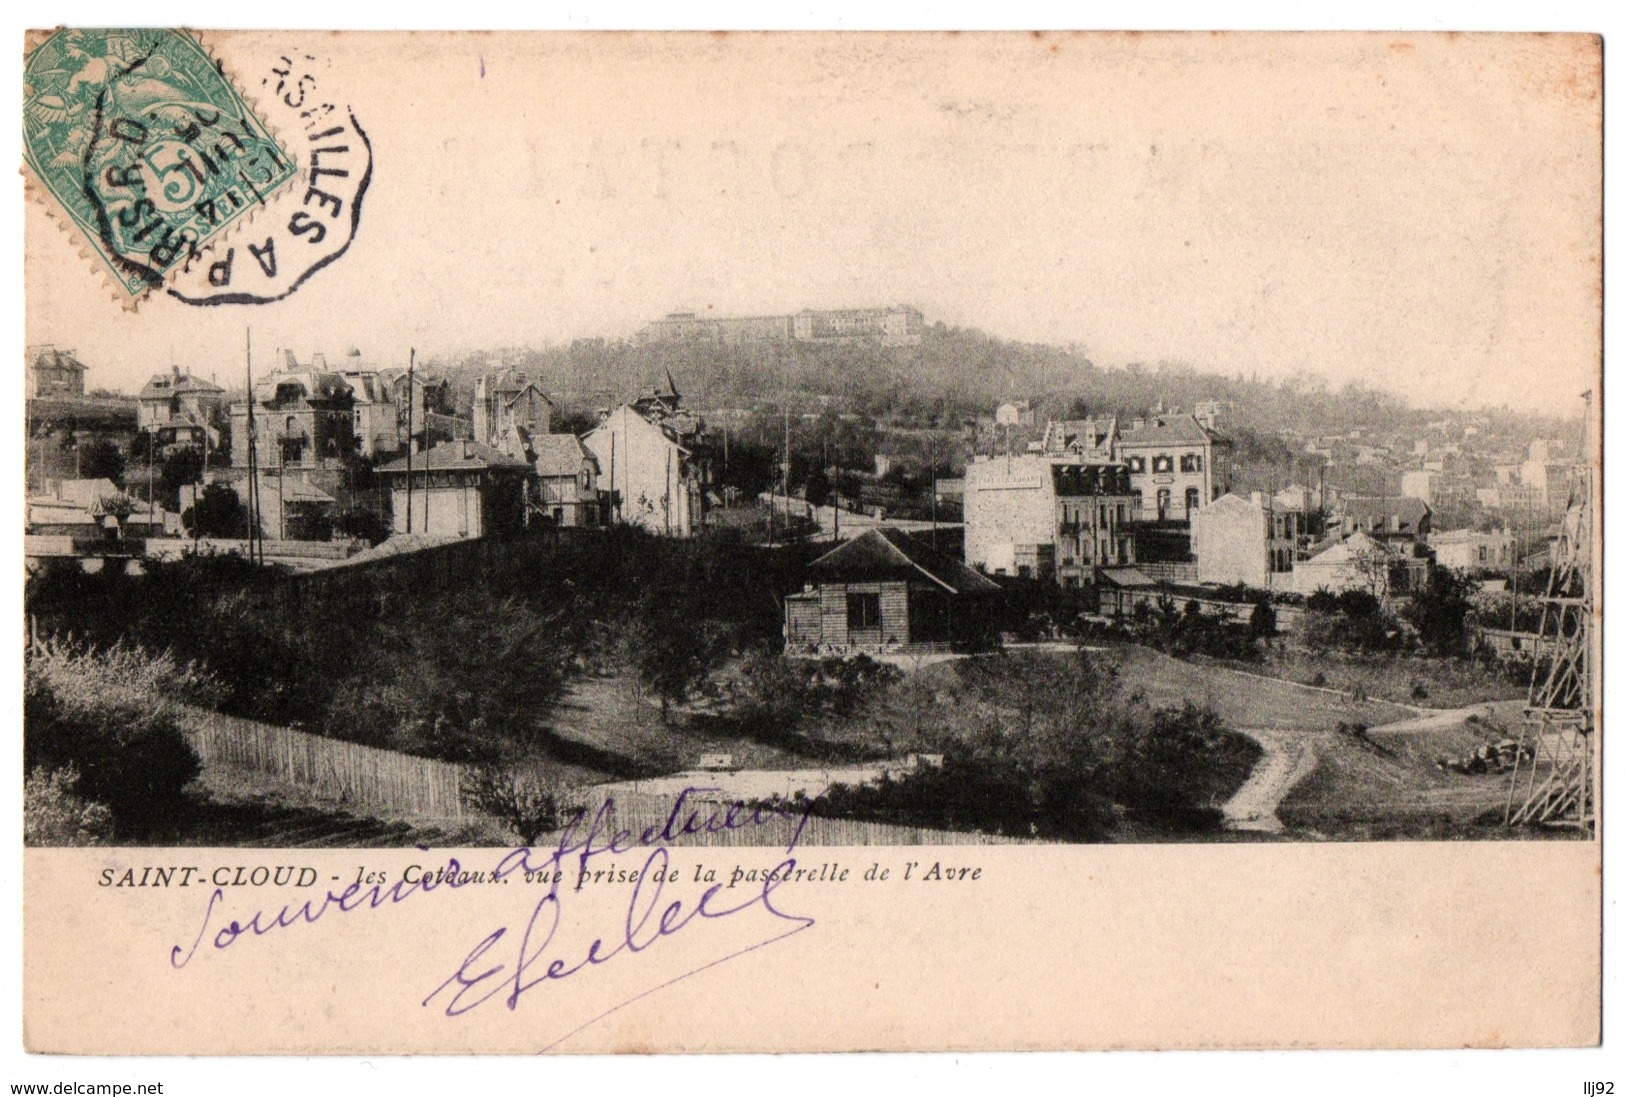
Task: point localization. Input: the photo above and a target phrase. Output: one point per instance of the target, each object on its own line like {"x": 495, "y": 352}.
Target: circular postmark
{"x": 315, "y": 220}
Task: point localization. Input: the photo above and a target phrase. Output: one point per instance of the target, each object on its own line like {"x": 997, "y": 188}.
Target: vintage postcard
{"x": 810, "y": 542}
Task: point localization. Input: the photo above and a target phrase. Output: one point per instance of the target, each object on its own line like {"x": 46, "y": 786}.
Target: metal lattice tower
{"x": 1554, "y": 777}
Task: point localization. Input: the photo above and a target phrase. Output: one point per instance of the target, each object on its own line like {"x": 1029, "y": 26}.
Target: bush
{"x": 1439, "y": 612}
{"x": 1048, "y": 746}
{"x": 54, "y": 816}
{"x": 109, "y": 718}
{"x": 525, "y": 804}
{"x": 219, "y": 512}
{"x": 362, "y": 524}
{"x": 781, "y": 693}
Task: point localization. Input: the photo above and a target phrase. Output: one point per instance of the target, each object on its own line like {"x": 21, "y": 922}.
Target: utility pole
{"x": 933, "y": 457}
{"x": 253, "y": 452}
{"x": 411, "y": 379}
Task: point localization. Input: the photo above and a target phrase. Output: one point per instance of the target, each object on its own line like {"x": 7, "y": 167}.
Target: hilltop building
{"x": 898, "y": 325}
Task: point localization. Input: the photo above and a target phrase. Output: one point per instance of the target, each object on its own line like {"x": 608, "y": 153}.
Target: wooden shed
{"x": 886, "y": 592}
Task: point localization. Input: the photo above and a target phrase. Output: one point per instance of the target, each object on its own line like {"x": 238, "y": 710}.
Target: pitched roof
{"x": 86, "y": 493}
{"x": 1125, "y": 578}
{"x": 1061, "y": 434}
{"x": 165, "y": 385}
{"x": 559, "y": 454}
{"x": 887, "y": 553}
{"x": 1406, "y": 511}
{"x": 1169, "y": 428}
{"x": 1356, "y": 545}
{"x": 1231, "y": 501}
{"x": 47, "y": 357}
{"x": 457, "y": 455}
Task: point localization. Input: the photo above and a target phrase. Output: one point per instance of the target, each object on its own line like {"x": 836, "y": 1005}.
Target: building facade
{"x": 1047, "y": 518}
{"x": 176, "y": 408}
{"x": 1246, "y": 540}
{"x": 566, "y": 487}
{"x": 509, "y": 410}
{"x": 1176, "y": 465}
{"x": 1473, "y": 552}
{"x": 457, "y": 489}
{"x": 54, "y": 373}
{"x": 302, "y": 420}
{"x": 655, "y": 461}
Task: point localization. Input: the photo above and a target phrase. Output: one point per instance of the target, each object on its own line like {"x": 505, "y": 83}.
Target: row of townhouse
{"x": 299, "y": 435}
{"x": 646, "y": 463}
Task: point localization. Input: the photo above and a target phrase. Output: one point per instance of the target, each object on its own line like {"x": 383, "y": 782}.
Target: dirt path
{"x": 1289, "y": 757}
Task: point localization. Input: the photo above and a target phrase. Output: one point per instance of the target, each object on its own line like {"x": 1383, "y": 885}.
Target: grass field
{"x": 1409, "y": 679}
{"x": 1242, "y": 699}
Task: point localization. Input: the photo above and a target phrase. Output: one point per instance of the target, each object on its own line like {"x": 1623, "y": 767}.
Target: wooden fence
{"x": 637, "y": 812}
{"x": 382, "y": 780}
{"x": 392, "y": 783}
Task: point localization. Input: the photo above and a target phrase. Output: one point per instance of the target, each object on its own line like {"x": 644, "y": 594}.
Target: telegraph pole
{"x": 411, "y": 385}
{"x": 253, "y": 453}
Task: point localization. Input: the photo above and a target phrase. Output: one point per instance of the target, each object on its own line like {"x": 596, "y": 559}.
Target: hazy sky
{"x": 1417, "y": 213}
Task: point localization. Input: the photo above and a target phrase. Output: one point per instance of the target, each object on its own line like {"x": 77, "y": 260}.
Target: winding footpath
{"x": 1289, "y": 757}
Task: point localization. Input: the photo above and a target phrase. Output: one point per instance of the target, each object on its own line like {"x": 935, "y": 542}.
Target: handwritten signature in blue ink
{"x": 480, "y": 977}
{"x": 598, "y": 840}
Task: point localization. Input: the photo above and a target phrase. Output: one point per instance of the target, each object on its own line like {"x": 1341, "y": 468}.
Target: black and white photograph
{"x": 812, "y": 459}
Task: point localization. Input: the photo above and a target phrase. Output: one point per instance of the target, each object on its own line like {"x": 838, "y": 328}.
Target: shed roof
{"x": 888, "y": 553}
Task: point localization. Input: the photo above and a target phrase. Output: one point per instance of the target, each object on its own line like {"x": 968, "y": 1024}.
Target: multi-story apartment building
{"x": 654, "y": 458}
{"x": 1047, "y": 517}
{"x": 1176, "y": 465}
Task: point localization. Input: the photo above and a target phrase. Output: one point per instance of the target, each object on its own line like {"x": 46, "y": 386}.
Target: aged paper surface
{"x": 1407, "y": 215}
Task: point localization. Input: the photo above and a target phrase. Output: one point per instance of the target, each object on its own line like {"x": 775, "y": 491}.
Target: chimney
{"x": 176, "y": 370}
{"x": 1139, "y": 423}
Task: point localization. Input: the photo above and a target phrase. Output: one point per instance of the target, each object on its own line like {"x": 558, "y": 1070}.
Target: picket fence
{"x": 383, "y": 780}
{"x": 394, "y": 784}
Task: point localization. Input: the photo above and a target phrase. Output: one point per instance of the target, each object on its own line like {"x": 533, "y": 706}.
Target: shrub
{"x": 525, "y": 804}
{"x": 54, "y": 816}
{"x": 219, "y": 512}
{"x": 362, "y": 524}
{"x": 1439, "y": 612}
{"x": 110, "y": 719}
{"x": 1040, "y": 745}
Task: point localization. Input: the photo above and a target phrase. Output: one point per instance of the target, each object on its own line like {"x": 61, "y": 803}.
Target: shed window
{"x": 862, "y": 611}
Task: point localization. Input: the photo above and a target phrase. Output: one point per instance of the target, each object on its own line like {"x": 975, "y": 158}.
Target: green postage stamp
{"x": 145, "y": 146}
